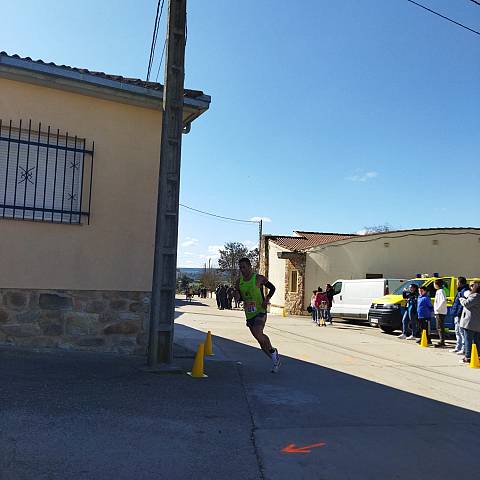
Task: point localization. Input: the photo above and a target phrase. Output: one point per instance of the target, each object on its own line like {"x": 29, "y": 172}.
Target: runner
{"x": 249, "y": 289}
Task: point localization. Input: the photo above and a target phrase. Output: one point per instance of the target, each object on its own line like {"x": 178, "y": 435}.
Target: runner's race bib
{"x": 250, "y": 307}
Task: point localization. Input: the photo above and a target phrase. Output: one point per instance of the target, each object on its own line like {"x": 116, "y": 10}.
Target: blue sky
{"x": 326, "y": 115}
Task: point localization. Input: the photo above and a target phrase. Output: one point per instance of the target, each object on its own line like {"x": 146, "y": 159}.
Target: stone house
{"x": 283, "y": 260}
{"x": 79, "y": 161}
{"x": 298, "y": 264}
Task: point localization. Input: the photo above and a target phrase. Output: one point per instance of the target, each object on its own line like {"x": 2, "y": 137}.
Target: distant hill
{"x": 190, "y": 272}
{"x": 193, "y": 273}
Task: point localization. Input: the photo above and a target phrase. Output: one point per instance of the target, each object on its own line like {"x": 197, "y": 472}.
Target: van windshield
{"x": 405, "y": 285}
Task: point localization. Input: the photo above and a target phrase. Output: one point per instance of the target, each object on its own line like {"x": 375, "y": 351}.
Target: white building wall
{"x": 456, "y": 252}
{"x": 312, "y": 275}
{"x": 276, "y": 275}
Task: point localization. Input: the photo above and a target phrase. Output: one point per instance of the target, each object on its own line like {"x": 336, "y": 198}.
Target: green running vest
{"x": 252, "y": 297}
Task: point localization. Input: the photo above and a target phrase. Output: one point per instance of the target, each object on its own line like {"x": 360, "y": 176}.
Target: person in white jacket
{"x": 440, "y": 311}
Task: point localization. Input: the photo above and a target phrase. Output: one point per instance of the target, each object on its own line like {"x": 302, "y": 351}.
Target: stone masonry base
{"x": 103, "y": 321}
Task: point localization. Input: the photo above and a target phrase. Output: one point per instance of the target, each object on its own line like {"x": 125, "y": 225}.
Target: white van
{"x": 352, "y": 298}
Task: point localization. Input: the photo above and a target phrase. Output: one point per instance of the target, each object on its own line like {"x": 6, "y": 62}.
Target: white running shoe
{"x": 411, "y": 337}
{"x": 276, "y": 361}
{"x": 402, "y": 336}
{"x": 460, "y": 352}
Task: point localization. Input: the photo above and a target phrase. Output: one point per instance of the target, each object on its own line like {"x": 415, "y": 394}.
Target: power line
{"x": 155, "y": 28}
{"x": 475, "y": 1}
{"x": 443, "y": 16}
{"x": 218, "y": 216}
{"x": 158, "y": 16}
{"x": 161, "y": 59}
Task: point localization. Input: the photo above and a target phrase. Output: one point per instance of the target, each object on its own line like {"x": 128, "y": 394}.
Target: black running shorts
{"x": 257, "y": 321}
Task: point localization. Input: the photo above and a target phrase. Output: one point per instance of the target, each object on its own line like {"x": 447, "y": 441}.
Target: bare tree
{"x": 210, "y": 278}
{"x": 254, "y": 256}
{"x": 378, "y": 228}
{"x": 231, "y": 254}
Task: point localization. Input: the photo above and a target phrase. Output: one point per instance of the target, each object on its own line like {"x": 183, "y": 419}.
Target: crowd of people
{"x": 465, "y": 310}
{"x": 417, "y": 316}
{"x": 225, "y": 295}
{"x": 321, "y": 304}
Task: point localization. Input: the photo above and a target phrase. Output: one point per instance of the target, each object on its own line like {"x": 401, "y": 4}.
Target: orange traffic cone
{"x": 197, "y": 369}
{"x": 474, "y": 362}
{"x": 208, "y": 345}
{"x": 424, "y": 341}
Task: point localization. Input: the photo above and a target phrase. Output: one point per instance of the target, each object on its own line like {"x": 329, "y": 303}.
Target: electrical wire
{"x": 219, "y": 216}
{"x": 475, "y": 1}
{"x": 155, "y": 28}
{"x": 161, "y": 59}
{"x": 443, "y": 16}
{"x": 158, "y": 16}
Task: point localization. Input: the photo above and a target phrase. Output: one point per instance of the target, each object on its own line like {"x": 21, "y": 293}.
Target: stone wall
{"x": 294, "y": 300}
{"x": 75, "y": 320}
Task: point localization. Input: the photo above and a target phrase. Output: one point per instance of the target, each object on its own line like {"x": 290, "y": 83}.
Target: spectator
{"x": 424, "y": 312}
{"x": 222, "y": 293}
{"x": 230, "y": 291}
{"x": 440, "y": 311}
{"x": 217, "y": 296}
{"x": 321, "y": 303}
{"x": 313, "y": 308}
{"x": 224, "y": 297}
{"x": 457, "y": 309}
{"x": 330, "y": 293}
{"x": 410, "y": 316}
{"x": 470, "y": 320}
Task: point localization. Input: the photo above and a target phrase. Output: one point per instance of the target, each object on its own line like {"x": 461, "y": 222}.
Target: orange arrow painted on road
{"x": 307, "y": 449}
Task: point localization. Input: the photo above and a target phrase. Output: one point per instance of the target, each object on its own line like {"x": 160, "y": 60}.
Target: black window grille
{"x": 44, "y": 175}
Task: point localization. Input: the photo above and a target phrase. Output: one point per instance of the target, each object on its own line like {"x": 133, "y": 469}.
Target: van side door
{"x": 337, "y": 302}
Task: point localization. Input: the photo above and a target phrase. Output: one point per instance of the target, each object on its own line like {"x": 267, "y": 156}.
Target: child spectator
{"x": 313, "y": 308}
{"x": 321, "y": 304}
{"x": 424, "y": 311}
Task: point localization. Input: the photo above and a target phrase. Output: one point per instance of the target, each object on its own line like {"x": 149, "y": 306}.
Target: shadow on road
{"x": 181, "y": 302}
{"x": 92, "y": 416}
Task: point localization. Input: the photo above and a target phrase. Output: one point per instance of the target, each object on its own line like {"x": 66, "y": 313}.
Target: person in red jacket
{"x": 321, "y": 304}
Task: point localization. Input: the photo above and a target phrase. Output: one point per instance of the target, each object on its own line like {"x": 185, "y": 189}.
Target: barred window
{"x": 44, "y": 175}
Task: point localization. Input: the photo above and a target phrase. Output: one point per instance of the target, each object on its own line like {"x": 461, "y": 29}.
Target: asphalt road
{"x": 348, "y": 403}
{"x": 379, "y": 407}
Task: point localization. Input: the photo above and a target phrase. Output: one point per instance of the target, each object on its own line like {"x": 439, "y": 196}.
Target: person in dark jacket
{"x": 330, "y": 293}
{"x": 230, "y": 292}
{"x": 410, "y": 316}
{"x": 217, "y": 296}
{"x": 424, "y": 312}
{"x": 457, "y": 309}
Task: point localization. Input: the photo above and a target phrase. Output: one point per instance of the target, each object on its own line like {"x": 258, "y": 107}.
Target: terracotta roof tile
{"x": 305, "y": 240}
{"x": 115, "y": 78}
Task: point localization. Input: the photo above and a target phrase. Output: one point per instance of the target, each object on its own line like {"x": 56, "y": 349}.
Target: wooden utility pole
{"x": 162, "y": 308}
{"x": 260, "y": 232}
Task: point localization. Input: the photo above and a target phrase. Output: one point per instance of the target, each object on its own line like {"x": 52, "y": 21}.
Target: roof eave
{"x": 86, "y": 84}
